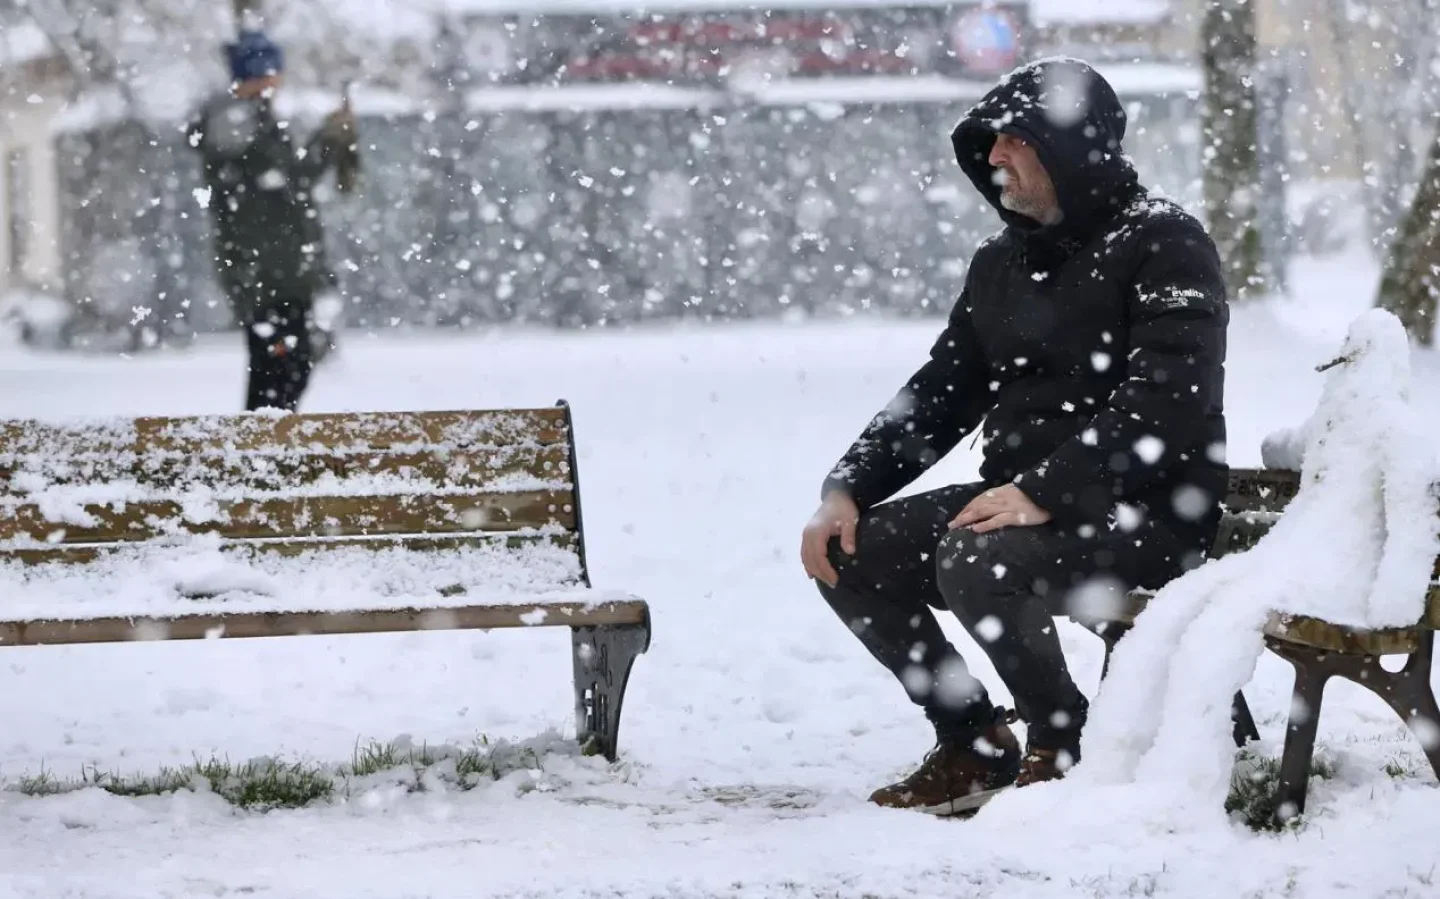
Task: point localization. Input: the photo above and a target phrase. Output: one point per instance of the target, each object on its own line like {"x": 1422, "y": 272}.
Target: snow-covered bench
{"x": 288, "y": 525}
{"x": 1318, "y": 650}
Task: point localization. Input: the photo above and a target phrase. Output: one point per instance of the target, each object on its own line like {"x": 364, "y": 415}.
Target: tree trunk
{"x": 1411, "y": 280}
{"x": 1380, "y": 103}
{"x": 1231, "y": 163}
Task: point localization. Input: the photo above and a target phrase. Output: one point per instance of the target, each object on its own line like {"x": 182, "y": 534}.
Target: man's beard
{"x": 1040, "y": 208}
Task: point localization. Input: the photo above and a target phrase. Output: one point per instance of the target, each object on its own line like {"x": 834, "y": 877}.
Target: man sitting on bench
{"x": 1090, "y": 336}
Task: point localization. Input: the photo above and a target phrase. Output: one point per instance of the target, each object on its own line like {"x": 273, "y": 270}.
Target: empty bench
{"x": 1318, "y": 650}
{"x": 463, "y": 520}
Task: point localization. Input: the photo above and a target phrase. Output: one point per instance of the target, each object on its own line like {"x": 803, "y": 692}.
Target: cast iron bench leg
{"x": 1245, "y": 729}
{"x": 1407, "y": 692}
{"x": 1414, "y": 700}
{"x": 1311, "y": 673}
{"x": 603, "y": 656}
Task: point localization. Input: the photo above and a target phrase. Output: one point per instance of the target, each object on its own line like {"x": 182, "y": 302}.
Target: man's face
{"x": 1025, "y": 186}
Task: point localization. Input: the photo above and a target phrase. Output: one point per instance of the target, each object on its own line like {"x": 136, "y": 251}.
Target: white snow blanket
{"x": 716, "y": 710}
{"x": 1354, "y": 547}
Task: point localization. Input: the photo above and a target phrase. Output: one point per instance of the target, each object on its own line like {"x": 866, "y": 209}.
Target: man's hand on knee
{"x": 837, "y": 517}
{"x": 1001, "y": 507}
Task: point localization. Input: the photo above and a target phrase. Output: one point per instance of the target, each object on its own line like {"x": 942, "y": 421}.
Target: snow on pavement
{"x": 701, "y": 453}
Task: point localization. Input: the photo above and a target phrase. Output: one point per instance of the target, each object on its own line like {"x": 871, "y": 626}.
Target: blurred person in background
{"x": 268, "y": 238}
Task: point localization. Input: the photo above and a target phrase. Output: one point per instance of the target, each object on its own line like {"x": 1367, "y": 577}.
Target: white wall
{"x": 25, "y": 127}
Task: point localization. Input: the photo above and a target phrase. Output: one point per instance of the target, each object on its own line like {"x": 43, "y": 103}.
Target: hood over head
{"x": 1071, "y": 116}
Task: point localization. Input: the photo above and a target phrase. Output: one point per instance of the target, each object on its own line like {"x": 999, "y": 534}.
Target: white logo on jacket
{"x": 1174, "y": 298}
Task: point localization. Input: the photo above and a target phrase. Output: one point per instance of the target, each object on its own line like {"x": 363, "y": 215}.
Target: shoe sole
{"x": 966, "y": 806}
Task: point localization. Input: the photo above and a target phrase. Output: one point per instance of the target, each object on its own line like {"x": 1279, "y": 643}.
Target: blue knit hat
{"x": 253, "y": 55}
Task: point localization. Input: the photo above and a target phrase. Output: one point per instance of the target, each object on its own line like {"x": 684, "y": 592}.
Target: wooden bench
{"x": 1318, "y": 650}
{"x": 492, "y": 495}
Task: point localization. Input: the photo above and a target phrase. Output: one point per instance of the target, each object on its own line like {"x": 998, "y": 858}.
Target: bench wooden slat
{"x": 227, "y": 472}
{"x": 315, "y": 516}
{"x": 81, "y": 553}
{"x": 371, "y": 430}
{"x": 1320, "y": 634}
{"x": 1313, "y": 632}
{"x": 292, "y": 624}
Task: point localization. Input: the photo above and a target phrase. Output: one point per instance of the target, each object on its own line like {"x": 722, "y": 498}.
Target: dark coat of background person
{"x": 268, "y": 239}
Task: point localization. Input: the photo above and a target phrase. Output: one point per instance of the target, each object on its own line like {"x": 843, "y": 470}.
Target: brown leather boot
{"x": 956, "y": 778}
{"x": 1040, "y": 765}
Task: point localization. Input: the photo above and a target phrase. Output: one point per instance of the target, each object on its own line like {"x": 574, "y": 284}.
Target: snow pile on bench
{"x": 194, "y": 577}
{"x": 1355, "y": 547}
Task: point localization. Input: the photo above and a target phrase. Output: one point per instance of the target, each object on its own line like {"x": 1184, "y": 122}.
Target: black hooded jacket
{"x": 1093, "y": 349}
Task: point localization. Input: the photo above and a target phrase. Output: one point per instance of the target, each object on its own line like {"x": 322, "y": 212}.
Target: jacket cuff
{"x": 834, "y": 484}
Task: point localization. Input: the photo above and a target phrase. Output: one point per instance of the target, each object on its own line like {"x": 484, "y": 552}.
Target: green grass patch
{"x": 1406, "y": 765}
{"x": 42, "y": 784}
{"x": 264, "y": 784}
{"x": 259, "y": 785}
{"x": 1254, "y": 785}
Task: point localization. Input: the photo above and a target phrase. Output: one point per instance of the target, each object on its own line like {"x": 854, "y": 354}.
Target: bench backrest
{"x": 1253, "y": 503}
{"x": 72, "y": 491}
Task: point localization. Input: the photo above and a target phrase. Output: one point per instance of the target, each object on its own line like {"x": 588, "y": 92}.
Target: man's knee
{"x": 847, "y": 567}
{"x": 874, "y": 561}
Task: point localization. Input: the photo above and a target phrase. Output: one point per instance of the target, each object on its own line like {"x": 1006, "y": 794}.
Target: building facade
{"x": 710, "y": 163}
{"x": 31, "y": 93}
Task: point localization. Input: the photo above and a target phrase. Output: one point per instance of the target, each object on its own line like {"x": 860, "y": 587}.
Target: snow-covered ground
{"x": 701, "y": 453}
